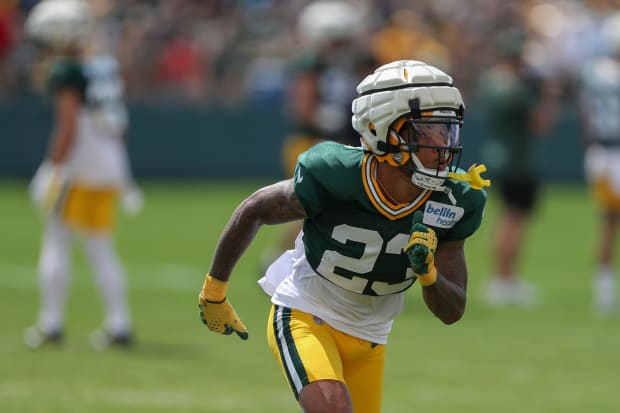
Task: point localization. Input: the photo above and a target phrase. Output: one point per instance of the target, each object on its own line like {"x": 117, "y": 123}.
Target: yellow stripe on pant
{"x": 90, "y": 209}
{"x": 308, "y": 349}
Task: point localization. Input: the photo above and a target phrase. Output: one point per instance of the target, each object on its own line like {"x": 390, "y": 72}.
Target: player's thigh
{"x": 364, "y": 376}
{"x": 303, "y": 347}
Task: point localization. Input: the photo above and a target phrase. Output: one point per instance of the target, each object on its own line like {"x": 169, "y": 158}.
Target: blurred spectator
{"x": 599, "y": 103}
{"x": 228, "y": 52}
{"x": 6, "y": 34}
{"x": 7, "y": 39}
{"x": 565, "y": 34}
{"x": 519, "y": 110}
{"x": 180, "y": 68}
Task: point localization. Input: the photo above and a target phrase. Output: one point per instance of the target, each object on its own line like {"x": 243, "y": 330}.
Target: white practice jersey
{"x": 291, "y": 282}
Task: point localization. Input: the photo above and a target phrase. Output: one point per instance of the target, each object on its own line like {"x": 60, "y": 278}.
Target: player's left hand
{"x": 132, "y": 199}
{"x": 421, "y": 249}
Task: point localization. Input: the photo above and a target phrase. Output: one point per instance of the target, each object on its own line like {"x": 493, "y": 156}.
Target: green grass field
{"x": 556, "y": 359}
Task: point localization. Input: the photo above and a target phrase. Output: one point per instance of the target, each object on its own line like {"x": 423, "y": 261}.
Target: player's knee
{"x": 326, "y": 396}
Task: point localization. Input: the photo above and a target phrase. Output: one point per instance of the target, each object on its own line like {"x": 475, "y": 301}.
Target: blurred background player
{"x": 519, "y": 107}
{"x": 84, "y": 171}
{"x": 599, "y": 103}
{"x": 322, "y": 77}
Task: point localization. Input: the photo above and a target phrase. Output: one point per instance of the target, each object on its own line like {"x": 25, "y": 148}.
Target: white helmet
{"x": 325, "y": 20}
{"x": 59, "y": 23}
{"x": 414, "y": 94}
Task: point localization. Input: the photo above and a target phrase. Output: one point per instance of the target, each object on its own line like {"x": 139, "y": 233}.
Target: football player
{"x": 599, "y": 102}
{"x": 377, "y": 219}
{"x": 84, "y": 171}
{"x": 520, "y": 107}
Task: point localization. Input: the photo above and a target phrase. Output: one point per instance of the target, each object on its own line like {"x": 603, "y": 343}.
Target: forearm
{"x": 235, "y": 239}
{"x": 216, "y": 311}
{"x": 445, "y": 299}
{"x": 60, "y": 145}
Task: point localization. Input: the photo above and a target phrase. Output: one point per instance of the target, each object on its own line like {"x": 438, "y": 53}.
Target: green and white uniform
{"x": 348, "y": 267}
{"x": 98, "y": 156}
{"x": 600, "y": 101}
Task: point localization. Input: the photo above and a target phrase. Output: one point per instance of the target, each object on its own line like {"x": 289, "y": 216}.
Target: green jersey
{"x": 354, "y": 236}
{"x": 98, "y": 154}
{"x": 99, "y": 85}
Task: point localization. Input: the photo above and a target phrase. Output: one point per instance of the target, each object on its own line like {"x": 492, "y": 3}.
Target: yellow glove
{"x": 215, "y": 310}
{"x": 473, "y": 176}
{"x": 421, "y": 249}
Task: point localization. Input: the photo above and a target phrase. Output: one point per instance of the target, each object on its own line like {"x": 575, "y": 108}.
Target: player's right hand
{"x": 46, "y": 186}
{"x": 221, "y": 317}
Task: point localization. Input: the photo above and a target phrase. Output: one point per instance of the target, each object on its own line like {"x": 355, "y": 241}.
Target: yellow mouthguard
{"x": 472, "y": 176}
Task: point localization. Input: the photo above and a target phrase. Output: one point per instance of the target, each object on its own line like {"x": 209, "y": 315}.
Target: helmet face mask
{"x": 431, "y": 147}
{"x": 410, "y": 115}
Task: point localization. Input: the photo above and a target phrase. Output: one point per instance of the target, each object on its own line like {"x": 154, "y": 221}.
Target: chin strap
{"x": 472, "y": 176}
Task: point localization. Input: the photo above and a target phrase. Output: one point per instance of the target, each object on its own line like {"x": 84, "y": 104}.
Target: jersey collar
{"x": 381, "y": 203}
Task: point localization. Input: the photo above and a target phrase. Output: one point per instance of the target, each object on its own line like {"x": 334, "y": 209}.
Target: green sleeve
{"x": 67, "y": 74}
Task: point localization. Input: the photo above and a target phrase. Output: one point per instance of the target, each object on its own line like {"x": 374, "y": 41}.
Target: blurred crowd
{"x": 228, "y": 51}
